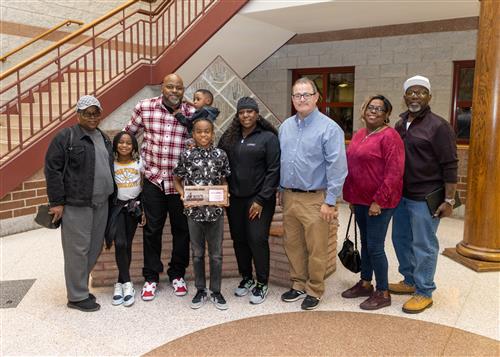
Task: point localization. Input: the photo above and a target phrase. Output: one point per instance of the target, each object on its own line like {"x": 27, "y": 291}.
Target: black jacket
{"x": 255, "y": 166}
{"x": 77, "y": 185}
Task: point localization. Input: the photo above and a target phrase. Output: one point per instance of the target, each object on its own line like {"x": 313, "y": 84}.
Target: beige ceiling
{"x": 328, "y": 15}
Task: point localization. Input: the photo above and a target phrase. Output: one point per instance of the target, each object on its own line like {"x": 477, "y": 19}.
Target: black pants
{"x": 251, "y": 237}
{"x": 126, "y": 225}
{"x": 157, "y": 206}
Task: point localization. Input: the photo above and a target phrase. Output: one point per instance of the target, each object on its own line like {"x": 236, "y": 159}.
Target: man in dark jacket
{"x": 431, "y": 164}
{"x": 78, "y": 171}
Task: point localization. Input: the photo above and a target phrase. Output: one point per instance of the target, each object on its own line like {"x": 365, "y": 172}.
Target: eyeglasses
{"x": 372, "y": 108}
{"x": 417, "y": 93}
{"x": 90, "y": 115}
{"x": 306, "y": 96}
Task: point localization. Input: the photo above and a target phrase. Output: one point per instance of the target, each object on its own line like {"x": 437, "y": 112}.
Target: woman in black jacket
{"x": 251, "y": 143}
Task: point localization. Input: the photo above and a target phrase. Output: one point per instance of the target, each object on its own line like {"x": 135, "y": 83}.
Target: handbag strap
{"x": 69, "y": 147}
{"x": 355, "y": 235}
{"x": 355, "y": 230}
{"x": 348, "y": 227}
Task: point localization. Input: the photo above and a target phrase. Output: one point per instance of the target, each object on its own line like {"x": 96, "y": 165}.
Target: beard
{"x": 174, "y": 100}
{"x": 414, "y": 107}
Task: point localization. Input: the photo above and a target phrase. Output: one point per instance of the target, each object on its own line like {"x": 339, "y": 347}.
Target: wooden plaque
{"x": 206, "y": 195}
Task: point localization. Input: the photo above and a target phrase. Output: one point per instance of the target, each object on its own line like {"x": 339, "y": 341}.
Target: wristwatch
{"x": 450, "y": 201}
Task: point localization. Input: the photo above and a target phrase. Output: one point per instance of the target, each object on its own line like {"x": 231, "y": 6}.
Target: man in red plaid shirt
{"x": 164, "y": 139}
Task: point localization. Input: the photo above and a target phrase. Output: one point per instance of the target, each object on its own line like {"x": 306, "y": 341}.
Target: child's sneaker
{"x": 117, "y": 295}
{"x": 244, "y": 287}
{"x": 199, "y": 299}
{"x": 129, "y": 294}
{"x": 180, "y": 288}
{"x": 259, "y": 293}
{"x": 148, "y": 291}
{"x": 219, "y": 301}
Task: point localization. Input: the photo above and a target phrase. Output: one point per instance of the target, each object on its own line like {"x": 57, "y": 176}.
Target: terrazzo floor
{"x": 42, "y": 325}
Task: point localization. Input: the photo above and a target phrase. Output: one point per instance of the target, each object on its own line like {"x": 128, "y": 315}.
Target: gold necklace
{"x": 373, "y": 132}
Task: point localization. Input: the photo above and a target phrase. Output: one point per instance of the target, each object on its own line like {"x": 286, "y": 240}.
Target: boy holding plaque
{"x": 200, "y": 179}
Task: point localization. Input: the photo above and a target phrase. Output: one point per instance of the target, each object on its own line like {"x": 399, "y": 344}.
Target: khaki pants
{"x": 306, "y": 240}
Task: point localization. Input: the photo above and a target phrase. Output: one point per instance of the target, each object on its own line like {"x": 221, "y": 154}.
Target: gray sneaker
{"x": 199, "y": 299}
{"x": 244, "y": 287}
{"x": 259, "y": 293}
{"x": 128, "y": 294}
{"x": 219, "y": 301}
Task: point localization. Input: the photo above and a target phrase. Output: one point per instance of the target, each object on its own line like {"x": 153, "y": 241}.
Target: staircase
{"x": 114, "y": 57}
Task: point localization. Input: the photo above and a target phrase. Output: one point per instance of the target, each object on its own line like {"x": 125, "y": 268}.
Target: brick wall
{"x": 17, "y": 208}
{"x": 106, "y": 272}
{"x": 381, "y": 64}
{"x": 463, "y": 156}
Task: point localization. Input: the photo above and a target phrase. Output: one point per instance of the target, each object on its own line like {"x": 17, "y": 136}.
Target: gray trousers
{"x": 82, "y": 236}
{"x": 212, "y": 234}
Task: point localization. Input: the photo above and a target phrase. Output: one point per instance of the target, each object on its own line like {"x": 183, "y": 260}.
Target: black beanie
{"x": 247, "y": 103}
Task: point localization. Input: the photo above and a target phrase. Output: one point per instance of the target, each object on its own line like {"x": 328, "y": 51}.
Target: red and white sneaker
{"x": 180, "y": 288}
{"x": 148, "y": 291}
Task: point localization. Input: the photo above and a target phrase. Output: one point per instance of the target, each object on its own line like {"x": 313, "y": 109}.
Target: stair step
{"x": 34, "y": 108}
{"x": 25, "y": 121}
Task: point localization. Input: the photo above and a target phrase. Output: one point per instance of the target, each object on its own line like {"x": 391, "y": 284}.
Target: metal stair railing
{"x": 42, "y": 92}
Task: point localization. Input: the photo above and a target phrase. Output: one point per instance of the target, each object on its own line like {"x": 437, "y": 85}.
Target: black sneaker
{"x": 199, "y": 299}
{"x": 244, "y": 287}
{"x": 219, "y": 301}
{"x": 293, "y": 295}
{"x": 87, "y": 305}
{"x": 309, "y": 303}
{"x": 259, "y": 293}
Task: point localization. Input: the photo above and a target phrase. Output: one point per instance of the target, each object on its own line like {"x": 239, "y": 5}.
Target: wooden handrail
{"x": 66, "y": 39}
{"x": 39, "y": 37}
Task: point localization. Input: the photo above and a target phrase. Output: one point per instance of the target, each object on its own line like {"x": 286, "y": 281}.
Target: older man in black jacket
{"x": 78, "y": 171}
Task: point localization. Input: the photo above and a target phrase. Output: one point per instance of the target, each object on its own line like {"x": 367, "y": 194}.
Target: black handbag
{"x": 349, "y": 254}
{"x": 44, "y": 218}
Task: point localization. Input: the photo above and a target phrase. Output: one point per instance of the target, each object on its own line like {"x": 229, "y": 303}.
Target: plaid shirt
{"x": 163, "y": 141}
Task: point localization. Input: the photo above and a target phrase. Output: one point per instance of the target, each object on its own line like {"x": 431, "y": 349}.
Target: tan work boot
{"x": 401, "y": 288}
{"x": 416, "y": 304}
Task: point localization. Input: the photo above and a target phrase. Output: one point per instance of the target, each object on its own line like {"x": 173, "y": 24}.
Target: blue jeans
{"x": 416, "y": 245}
{"x": 373, "y": 230}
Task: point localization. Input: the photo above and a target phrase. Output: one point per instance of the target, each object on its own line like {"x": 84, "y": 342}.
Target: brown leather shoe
{"x": 402, "y": 288}
{"x": 376, "y": 301}
{"x": 357, "y": 291}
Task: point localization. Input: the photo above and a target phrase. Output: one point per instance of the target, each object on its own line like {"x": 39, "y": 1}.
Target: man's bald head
{"x": 173, "y": 77}
{"x": 172, "y": 90}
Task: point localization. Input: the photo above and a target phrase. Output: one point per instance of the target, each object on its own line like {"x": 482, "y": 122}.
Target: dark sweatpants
{"x": 251, "y": 237}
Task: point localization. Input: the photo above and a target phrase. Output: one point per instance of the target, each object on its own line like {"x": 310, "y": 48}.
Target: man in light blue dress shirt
{"x": 313, "y": 170}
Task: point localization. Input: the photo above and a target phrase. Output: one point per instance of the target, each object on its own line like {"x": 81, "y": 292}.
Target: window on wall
{"x": 461, "y": 110}
{"x": 336, "y": 93}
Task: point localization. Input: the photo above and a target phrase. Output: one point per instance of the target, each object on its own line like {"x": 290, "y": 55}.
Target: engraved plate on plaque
{"x": 205, "y": 195}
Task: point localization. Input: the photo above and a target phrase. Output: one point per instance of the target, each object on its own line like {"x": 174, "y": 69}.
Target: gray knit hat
{"x": 87, "y": 101}
{"x": 247, "y": 103}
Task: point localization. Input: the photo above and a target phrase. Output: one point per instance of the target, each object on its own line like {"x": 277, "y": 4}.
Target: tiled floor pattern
{"x": 464, "y": 300}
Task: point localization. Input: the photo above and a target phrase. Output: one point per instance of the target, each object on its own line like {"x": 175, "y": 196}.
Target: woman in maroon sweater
{"x": 373, "y": 187}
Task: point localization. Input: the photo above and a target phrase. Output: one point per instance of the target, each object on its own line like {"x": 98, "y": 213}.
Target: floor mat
{"x": 13, "y": 291}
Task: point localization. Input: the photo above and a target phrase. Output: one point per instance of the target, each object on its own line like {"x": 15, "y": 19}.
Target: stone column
{"x": 480, "y": 247}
